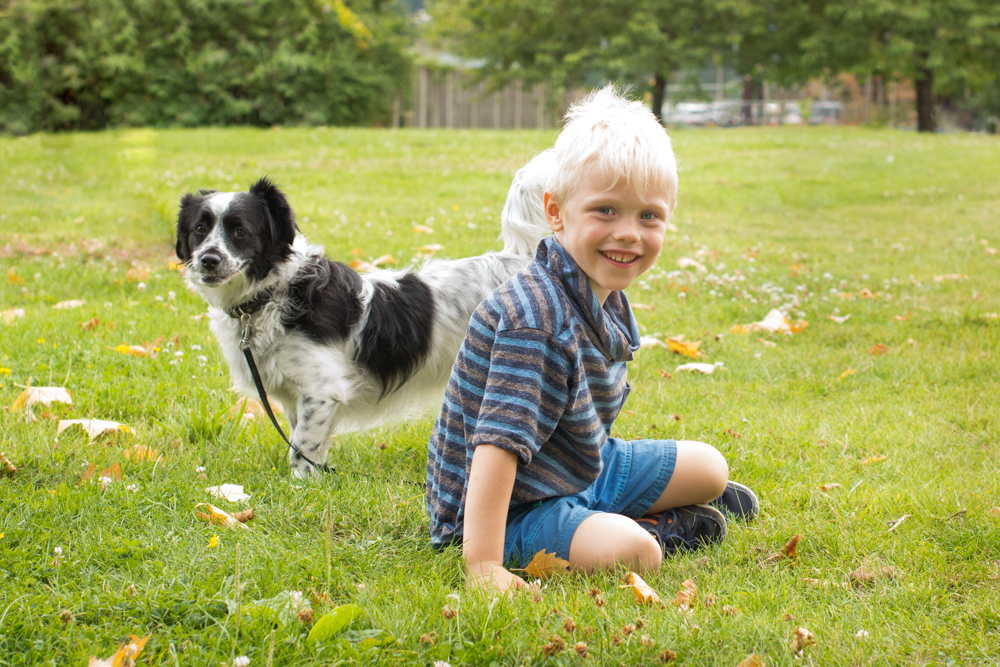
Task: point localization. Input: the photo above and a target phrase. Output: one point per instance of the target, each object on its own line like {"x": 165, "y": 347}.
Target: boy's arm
{"x": 491, "y": 481}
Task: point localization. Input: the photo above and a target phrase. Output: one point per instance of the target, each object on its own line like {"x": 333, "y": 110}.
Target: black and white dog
{"x": 338, "y": 350}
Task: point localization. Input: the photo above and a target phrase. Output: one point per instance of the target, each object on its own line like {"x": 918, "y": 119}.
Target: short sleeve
{"x": 526, "y": 392}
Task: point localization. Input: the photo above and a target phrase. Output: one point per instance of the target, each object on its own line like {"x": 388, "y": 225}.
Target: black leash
{"x": 243, "y": 313}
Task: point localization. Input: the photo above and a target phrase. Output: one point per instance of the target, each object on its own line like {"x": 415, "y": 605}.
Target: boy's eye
{"x": 606, "y": 210}
{"x": 648, "y": 215}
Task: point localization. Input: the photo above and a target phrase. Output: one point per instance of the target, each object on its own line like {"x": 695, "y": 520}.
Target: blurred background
{"x": 926, "y": 65}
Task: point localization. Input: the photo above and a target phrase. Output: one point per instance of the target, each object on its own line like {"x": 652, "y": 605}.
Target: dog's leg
{"x": 315, "y": 420}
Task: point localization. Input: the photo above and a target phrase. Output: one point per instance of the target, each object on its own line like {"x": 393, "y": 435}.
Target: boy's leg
{"x": 604, "y": 540}
{"x": 700, "y": 476}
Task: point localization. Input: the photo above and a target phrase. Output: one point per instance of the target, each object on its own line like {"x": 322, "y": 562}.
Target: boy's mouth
{"x": 620, "y": 258}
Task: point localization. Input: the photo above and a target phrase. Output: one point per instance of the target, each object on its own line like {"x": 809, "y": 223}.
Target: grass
{"x": 803, "y": 219}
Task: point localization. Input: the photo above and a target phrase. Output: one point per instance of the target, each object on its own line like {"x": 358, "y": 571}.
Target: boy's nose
{"x": 627, "y": 230}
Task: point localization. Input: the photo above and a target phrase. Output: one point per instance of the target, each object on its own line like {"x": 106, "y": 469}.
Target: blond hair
{"x": 622, "y": 138}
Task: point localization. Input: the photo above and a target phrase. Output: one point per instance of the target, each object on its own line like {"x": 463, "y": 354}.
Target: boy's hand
{"x": 485, "y": 575}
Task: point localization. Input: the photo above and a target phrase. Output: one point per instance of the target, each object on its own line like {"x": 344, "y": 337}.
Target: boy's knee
{"x": 643, "y": 552}
{"x": 717, "y": 470}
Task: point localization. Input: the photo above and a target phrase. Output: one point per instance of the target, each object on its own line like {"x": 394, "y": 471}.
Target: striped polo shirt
{"x": 542, "y": 374}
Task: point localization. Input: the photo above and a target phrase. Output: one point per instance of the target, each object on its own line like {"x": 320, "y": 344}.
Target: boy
{"x": 520, "y": 458}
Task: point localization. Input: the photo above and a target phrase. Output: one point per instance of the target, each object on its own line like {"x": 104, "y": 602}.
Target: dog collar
{"x": 252, "y": 306}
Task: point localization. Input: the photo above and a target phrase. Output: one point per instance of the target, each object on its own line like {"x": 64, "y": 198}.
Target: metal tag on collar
{"x": 245, "y": 324}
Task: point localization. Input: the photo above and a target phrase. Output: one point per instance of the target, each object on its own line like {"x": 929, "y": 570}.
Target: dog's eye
{"x": 199, "y": 228}
{"x": 240, "y": 232}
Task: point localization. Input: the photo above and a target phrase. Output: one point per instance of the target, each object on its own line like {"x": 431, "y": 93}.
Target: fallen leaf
{"x": 543, "y": 565}
{"x": 134, "y": 350}
{"x": 553, "y": 646}
{"x": 840, "y": 319}
{"x": 739, "y": 329}
{"x": 666, "y": 375}
{"x": 688, "y": 263}
{"x": 384, "y": 259}
{"x": 728, "y": 610}
{"x": 686, "y": 596}
{"x": 646, "y": 342}
{"x": 695, "y": 367}
{"x": 231, "y": 492}
{"x": 848, "y": 372}
{"x": 66, "y": 305}
{"x": 11, "y": 314}
{"x": 867, "y": 293}
{"x": 829, "y": 487}
{"x": 581, "y": 649}
{"x": 430, "y": 248}
{"x": 137, "y": 274}
{"x": 686, "y": 348}
{"x": 423, "y": 229}
{"x": 802, "y": 638}
{"x": 640, "y": 306}
{"x": 89, "y": 324}
{"x": 789, "y": 551}
{"x": 44, "y": 395}
{"x": 752, "y": 660}
{"x": 644, "y": 594}
{"x": 174, "y": 266}
{"x": 7, "y": 469}
{"x": 112, "y": 472}
{"x": 995, "y": 511}
{"x": 903, "y": 318}
{"x": 142, "y": 453}
{"x": 125, "y": 656}
{"x": 774, "y": 322}
{"x": 93, "y": 427}
{"x": 244, "y": 516}
{"x": 864, "y": 575}
{"x": 218, "y": 517}
{"x": 877, "y": 349}
{"x": 873, "y": 459}
{"x": 12, "y": 276}
{"x": 990, "y": 251}
{"x": 950, "y": 276}
{"x": 767, "y": 343}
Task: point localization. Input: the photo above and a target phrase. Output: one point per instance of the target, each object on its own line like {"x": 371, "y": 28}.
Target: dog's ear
{"x": 283, "y": 228}
{"x": 190, "y": 203}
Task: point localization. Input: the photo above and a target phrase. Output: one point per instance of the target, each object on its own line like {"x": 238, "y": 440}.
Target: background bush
{"x": 91, "y": 64}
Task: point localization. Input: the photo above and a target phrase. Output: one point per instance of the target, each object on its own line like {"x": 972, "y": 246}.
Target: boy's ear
{"x": 553, "y": 213}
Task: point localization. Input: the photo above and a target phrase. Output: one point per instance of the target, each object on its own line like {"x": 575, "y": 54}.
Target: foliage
{"x": 89, "y": 64}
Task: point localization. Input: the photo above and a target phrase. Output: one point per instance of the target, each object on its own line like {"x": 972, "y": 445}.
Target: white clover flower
{"x": 241, "y": 661}
{"x": 141, "y": 287}
{"x": 57, "y": 551}
{"x": 200, "y": 469}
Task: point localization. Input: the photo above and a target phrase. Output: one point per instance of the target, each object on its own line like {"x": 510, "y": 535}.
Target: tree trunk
{"x": 659, "y": 94}
{"x": 747, "y": 99}
{"x": 925, "y": 100}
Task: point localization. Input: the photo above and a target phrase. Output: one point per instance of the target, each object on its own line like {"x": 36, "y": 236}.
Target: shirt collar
{"x": 612, "y": 327}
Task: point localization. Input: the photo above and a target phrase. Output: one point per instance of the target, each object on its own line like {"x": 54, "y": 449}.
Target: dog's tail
{"x": 522, "y": 222}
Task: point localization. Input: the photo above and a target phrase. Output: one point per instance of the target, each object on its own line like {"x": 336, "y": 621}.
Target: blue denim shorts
{"x": 633, "y": 476}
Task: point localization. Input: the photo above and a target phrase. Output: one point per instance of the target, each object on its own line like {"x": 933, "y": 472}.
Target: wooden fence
{"x": 453, "y": 100}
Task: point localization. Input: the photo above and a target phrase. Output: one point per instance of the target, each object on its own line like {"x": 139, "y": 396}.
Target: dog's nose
{"x": 211, "y": 260}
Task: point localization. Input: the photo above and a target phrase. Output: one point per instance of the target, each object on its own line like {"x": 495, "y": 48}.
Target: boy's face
{"x": 612, "y": 232}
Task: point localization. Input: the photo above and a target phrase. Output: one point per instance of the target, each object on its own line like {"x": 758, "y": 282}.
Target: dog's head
{"x": 225, "y": 235}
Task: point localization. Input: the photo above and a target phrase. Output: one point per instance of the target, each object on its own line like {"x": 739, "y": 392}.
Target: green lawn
{"x": 812, "y": 220}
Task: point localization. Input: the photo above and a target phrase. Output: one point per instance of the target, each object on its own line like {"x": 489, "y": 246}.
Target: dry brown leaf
{"x": 423, "y": 229}
{"x": 728, "y": 610}
{"x": 641, "y": 306}
{"x": 13, "y": 278}
{"x": 545, "y": 565}
{"x": 739, "y": 329}
{"x": 990, "y": 251}
{"x": 430, "y": 248}
{"x": 218, "y": 516}
{"x": 829, "y": 487}
{"x": 125, "y": 656}
{"x": 44, "y": 395}
{"x": 774, "y": 322}
{"x": 134, "y": 350}
{"x": 950, "y": 276}
{"x": 686, "y": 596}
{"x": 840, "y": 319}
{"x": 646, "y": 342}
{"x": 699, "y": 367}
{"x": 789, "y": 551}
{"x": 752, "y": 660}
{"x": 7, "y": 469}
{"x": 555, "y": 645}
{"x": 244, "y": 516}
{"x": 849, "y": 371}
{"x": 995, "y": 511}
{"x": 89, "y": 324}
{"x": 865, "y": 575}
{"x": 686, "y": 348}
{"x": 877, "y": 349}
{"x": 643, "y": 592}
{"x": 113, "y": 472}
{"x": 581, "y": 649}
{"x": 11, "y": 314}
{"x": 384, "y": 259}
{"x": 137, "y": 274}
{"x": 767, "y": 343}
{"x": 802, "y": 638}
{"x": 873, "y": 459}
{"x": 93, "y": 427}
{"x": 666, "y": 375}
{"x": 142, "y": 453}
